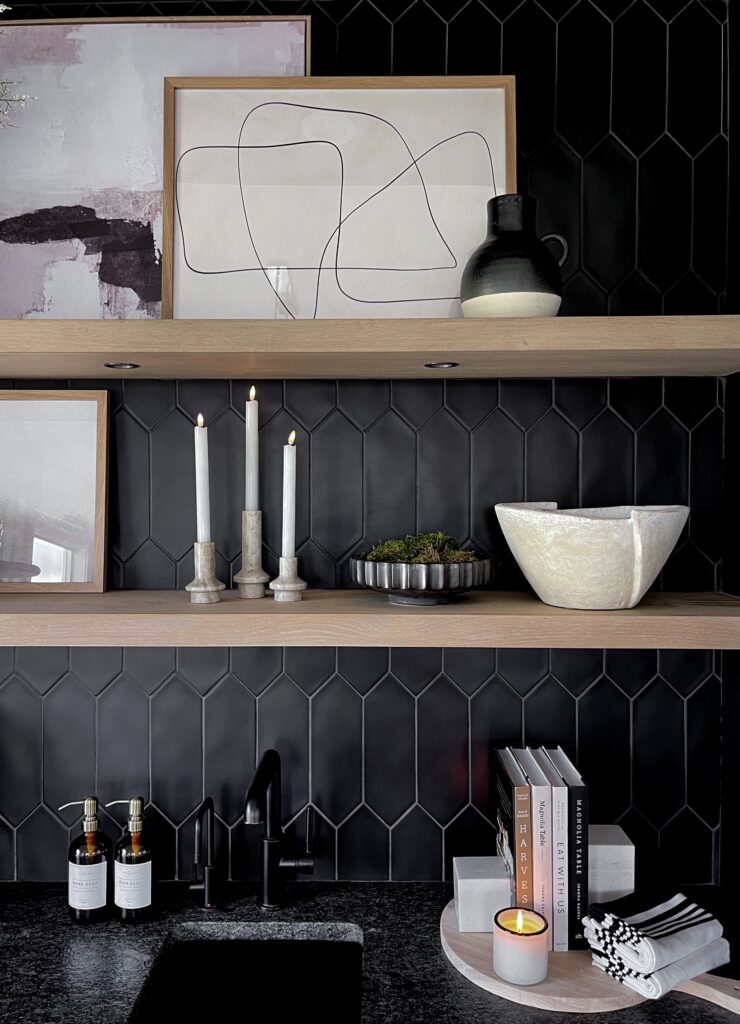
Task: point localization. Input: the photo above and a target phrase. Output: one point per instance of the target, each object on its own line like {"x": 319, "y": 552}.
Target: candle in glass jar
{"x": 202, "y": 484}
{"x": 252, "y": 475}
{"x": 289, "y": 468}
{"x": 520, "y": 946}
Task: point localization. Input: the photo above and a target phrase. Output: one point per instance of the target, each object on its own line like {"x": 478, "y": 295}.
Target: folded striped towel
{"x": 655, "y": 985}
{"x": 650, "y": 940}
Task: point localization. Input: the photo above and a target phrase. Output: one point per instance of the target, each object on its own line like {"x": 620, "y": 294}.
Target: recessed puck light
{"x": 441, "y": 366}
{"x": 122, "y": 366}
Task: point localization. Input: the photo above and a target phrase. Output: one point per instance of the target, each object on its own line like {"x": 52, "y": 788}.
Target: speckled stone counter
{"x": 54, "y": 972}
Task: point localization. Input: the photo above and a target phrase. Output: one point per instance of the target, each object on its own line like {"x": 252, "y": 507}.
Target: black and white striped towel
{"x": 652, "y": 939}
{"x": 656, "y": 984}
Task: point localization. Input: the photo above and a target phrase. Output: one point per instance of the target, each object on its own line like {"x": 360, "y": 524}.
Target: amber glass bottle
{"x": 132, "y": 884}
{"x": 90, "y": 859}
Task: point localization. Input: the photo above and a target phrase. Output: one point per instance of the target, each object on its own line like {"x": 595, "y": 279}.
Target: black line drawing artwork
{"x": 334, "y": 267}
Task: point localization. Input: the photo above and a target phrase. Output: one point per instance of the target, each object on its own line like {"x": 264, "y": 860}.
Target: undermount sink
{"x": 275, "y": 972}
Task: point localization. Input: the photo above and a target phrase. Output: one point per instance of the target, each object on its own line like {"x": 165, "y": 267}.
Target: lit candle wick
{"x": 200, "y": 419}
{"x": 252, "y": 393}
{"x": 520, "y": 922}
{"x": 291, "y": 439}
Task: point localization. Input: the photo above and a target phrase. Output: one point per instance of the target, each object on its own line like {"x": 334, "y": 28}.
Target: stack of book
{"x": 542, "y": 837}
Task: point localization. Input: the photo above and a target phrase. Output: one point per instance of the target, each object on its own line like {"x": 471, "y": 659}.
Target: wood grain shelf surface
{"x": 380, "y": 348}
{"x": 358, "y": 618}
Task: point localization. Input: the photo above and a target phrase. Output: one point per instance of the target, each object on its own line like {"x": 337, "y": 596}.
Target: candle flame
{"x": 291, "y": 439}
{"x": 252, "y": 393}
{"x": 200, "y": 419}
{"x": 520, "y": 922}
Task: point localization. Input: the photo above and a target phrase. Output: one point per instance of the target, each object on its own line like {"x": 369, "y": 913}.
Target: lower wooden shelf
{"x": 358, "y": 618}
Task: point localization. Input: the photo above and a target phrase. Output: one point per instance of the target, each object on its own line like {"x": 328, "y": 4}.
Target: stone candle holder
{"x": 288, "y": 585}
{"x": 252, "y": 577}
{"x": 205, "y": 588}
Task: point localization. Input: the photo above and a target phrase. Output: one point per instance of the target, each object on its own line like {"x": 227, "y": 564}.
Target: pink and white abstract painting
{"x": 81, "y": 170}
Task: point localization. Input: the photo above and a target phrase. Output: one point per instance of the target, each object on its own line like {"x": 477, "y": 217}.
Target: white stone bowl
{"x": 591, "y": 558}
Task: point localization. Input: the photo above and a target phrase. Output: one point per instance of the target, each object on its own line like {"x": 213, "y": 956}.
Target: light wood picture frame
{"x": 328, "y": 198}
{"x": 53, "y": 491}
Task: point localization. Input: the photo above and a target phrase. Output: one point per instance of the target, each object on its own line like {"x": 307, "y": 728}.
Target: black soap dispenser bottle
{"x": 90, "y": 858}
{"x": 132, "y": 884}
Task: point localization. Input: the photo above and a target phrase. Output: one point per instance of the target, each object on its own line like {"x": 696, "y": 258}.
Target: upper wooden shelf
{"x": 358, "y": 618}
{"x": 535, "y": 347}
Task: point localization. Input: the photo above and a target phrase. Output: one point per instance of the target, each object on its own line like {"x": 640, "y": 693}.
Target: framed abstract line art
{"x": 53, "y": 459}
{"x": 329, "y": 197}
{"x": 81, "y": 202}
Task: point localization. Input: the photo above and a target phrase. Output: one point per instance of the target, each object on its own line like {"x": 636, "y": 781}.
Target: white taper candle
{"x": 202, "y": 484}
{"x": 289, "y": 470}
{"x": 252, "y": 467}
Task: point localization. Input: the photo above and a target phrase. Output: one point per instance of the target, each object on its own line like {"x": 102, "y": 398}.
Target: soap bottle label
{"x": 86, "y": 890}
{"x": 133, "y": 885}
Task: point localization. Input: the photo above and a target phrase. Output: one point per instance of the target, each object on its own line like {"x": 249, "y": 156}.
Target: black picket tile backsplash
{"x": 394, "y": 749}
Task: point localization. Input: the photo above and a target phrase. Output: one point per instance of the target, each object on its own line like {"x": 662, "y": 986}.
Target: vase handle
{"x": 563, "y": 243}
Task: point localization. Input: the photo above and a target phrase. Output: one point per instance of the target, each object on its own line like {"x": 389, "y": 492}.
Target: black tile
{"x": 317, "y": 568}
{"x": 552, "y": 461}
{"x": 390, "y": 768}
{"x": 324, "y": 845}
{"x": 705, "y": 484}
{"x": 309, "y": 401}
{"x": 363, "y": 401}
{"x": 663, "y": 239}
{"x": 419, "y": 22}
{"x": 688, "y": 569}
{"x": 550, "y": 717}
{"x": 417, "y": 400}
{"x": 469, "y": 835}
{"x": 95, "y": 666}
{"x": 644, "y": 837}
{"x": 149, "y": 666}
{"x": 122, "y": 744}
{"x": 226, "y": 459}
{"x": 525, "y": 401}
{"x": 604, "y": 739}
{"x": 149, "y": 400}
{"x": 416, "y": 848}
{"x": 695, "y": 108}
{"x": 336, "y": 484}
{"x": 639, "y": 77}
{"x": 582, "y": 115}
{"x": 42, "y": 848}
{"x": 607, "y": 462}
{"x": 256, "y": 667}
{"x": 635, "y": 399}
{"x": 661, "y": 473}
{"x": 390, "y": 486}
{"x": 209, "y": 397}
{"x": 690, "y": 399}
{"x": 635, "y": 296}
{"x": 442, "y": 750}
{"x": 583, "y": 297}
{"x": 69, "y": 745}
{"x": 173, "y": 524}
{"x": 521, "y": 668}
{"x": 129, "y": 504}
{"x": 41, "y": 666}
{"x": 164, "y": 840}
{"x": 529, "y": 52}
{"x": 282, "y": 724}
{"x": 202, "y": 667}
{"x": 579, "y": 400}
{"x": 363, "y": 848}
{"x": 474, "y": 42}
{"x": 685, "y": 670}
{"x": 176, "y": 758}
{"x": 703, "y": 750}
{"x": 444, "y": 466}
{"x": 690, "y": 297}
{"x": 7, "y": 661}
{"x": 609, "y": 196}
{"x": 20, "y": 750}
{"x": 687, "y": 832}
{"x": 468, "y": 667}
{"x": 658, "y": 754}
{"x": 229, "y": 743}
{"x": 471, "y": 400}
{"x": 631, "y": 670}
{"x": 364, "y": 43}
{"x": 336, "y": 739}
{"x": 150, "y": 569}
{"x": 710, "y": 214}
{"x": 362, "y": 667}
{"x": 7, "y": 853}
{"x": 576, "y": 669}
{"x": 554, "y": 179}
{"x": 309, "y": 667}
{"x": 416, "y": 667}
{"x": 497, "y": 450}
{"x": 495, "y": 721}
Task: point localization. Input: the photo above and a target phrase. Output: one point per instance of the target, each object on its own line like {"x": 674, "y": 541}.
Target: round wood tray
{"x": 572, "y": 984}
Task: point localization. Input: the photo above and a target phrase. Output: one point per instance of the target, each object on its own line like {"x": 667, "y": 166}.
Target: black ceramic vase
{"x": 513, "y": 273}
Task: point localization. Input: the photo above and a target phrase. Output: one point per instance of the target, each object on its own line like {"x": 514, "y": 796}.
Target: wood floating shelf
{"x": 380, "y": 348}
{"x": 359, "y": 618}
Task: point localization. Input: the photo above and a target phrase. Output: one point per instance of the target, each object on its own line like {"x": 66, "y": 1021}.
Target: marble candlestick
{"x": 288, "y": 585}
{"x": 252, "y": 577}
{"x": 205, "y": 588}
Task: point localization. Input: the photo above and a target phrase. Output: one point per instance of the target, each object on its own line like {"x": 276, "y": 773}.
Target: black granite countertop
{"x": 55, "y": 972}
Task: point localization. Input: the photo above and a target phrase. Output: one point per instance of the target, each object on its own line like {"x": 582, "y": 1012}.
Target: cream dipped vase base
{"x": 288, "y": 587}
{"x": 205, "y": 588}
{"x": 572, "y": 985}
{"x": 252, "y": 578}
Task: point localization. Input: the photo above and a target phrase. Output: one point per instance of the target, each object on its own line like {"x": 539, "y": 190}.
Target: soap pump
{"x": 89, "y": 864}
{"x": 133, "y": 866}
